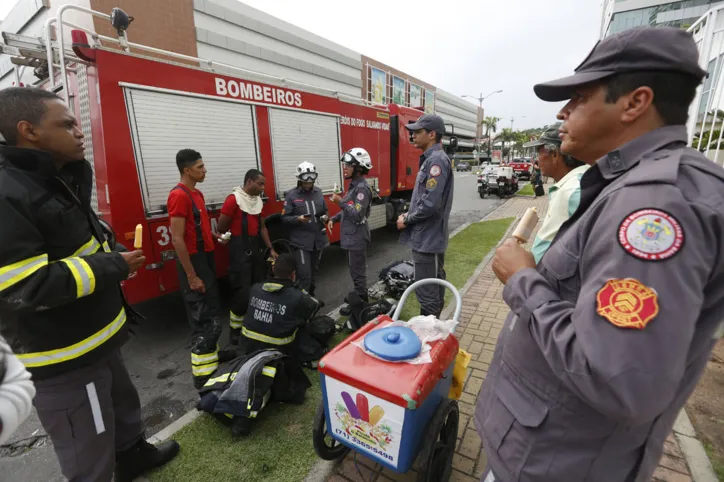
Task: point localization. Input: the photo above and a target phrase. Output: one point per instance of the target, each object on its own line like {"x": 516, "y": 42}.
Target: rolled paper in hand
{"x": 138, "y": 239}
{"x": 526, "y": 226}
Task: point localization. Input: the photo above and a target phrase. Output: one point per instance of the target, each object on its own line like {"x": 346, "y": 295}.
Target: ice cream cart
{"x": 394, "y": 412}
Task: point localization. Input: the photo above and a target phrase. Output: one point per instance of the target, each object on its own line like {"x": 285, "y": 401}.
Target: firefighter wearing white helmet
{"x": 305, "y": 213}
{"x": 355, "y": 209}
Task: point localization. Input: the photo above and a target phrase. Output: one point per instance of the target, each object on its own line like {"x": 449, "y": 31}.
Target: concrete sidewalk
{"x": 483, "y": 314}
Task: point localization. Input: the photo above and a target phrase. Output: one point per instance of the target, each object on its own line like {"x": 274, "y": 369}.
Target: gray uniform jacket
{"x": 609, "y": 335}
{"x": 353, "y": 216}
{"x": 307, "y": 236}
{"x": 431, "y": 203}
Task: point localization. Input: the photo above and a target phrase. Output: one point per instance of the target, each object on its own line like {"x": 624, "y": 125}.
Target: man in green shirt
{"x": 563, "y": 196}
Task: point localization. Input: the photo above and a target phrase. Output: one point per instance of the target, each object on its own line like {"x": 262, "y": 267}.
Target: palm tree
{"x": 507, "y": 135}
{"x": 520, "y": 139}
{"x": 491, "y": 125}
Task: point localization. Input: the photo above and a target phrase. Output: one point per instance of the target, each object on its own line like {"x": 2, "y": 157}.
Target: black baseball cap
{"x": 549, "y": 136}
{"x": 665, "y": 49}
{"x": 429, "y": 122}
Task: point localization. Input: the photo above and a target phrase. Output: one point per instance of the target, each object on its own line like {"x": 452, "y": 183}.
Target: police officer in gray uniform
{"x": 305, "y": 212}
{"x": 355, "y": 209}
{"x": 609, "y": 334}
{"x": 424, "y": 226}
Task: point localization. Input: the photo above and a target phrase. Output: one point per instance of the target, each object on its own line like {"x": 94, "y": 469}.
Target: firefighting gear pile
{"x": 397, "y": 277}
{"x": 241, "y": 388}
{"x": 314, "y": 340}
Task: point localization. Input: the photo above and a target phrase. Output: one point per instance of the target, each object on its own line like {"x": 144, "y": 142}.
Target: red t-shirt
{"x": 231, "y": 209}
{"x": 179, "y": 206}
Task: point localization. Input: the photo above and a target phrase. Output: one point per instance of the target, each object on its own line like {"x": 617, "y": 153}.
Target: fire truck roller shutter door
{"x": 162, "y": 123}
{"x": 303, "y": 136}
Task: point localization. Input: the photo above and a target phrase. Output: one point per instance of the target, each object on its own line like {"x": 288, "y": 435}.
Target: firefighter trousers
{"x": 90, "y": 414}
{"x": 357, "y": 260}
{"x": 204, "y": 315}
{"x": 307, "y": 266}
{"x": 431, "y": 297}
{"x": 247, "y": 268}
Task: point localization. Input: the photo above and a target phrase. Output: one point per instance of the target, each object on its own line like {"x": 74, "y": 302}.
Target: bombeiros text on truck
{"x": 138, "y": 111}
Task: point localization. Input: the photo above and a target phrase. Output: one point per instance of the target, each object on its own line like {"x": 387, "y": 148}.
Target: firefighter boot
{"x": 143, "y": 457}
{"x": 234, "y": 335}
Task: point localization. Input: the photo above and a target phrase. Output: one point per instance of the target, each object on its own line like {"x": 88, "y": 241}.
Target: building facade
{"x": 620, "y": 15}
{"x": 231, "y": 32}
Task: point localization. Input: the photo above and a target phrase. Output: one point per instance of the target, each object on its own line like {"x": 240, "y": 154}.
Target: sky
{"x": 462, "y": 46}
{"x": 469, "y": 47}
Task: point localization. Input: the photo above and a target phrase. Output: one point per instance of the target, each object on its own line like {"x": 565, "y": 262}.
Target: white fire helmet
{"x": 306, "y": 172}
{"x": 357, "y": 157}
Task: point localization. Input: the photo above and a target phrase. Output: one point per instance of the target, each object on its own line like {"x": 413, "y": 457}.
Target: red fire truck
{"x": 138, "y": 111}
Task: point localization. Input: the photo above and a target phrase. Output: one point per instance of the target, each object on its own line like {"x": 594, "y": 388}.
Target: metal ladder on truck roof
{"x": 26, "y": 51}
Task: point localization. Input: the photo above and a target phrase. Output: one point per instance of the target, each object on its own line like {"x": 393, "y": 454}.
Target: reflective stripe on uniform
{"x": 268, "y": 339}
{"x": 85, "y": 280}
{"x": 235, "y": 321}
{"x": 88, "y": 248}
{"x": 269, "y": 371}
{"x": 45, "y": 358}
{"x": 16, "y": 272}
{"x": 106, "y": 248}
{"x": 204, "y": 364}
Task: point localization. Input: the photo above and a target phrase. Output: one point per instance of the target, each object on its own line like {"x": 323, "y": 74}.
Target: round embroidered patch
{"x": 360, "y": 196}
{"x": 651, "y": 235}
{"x": 435, "y": 170}
{"x": 627, "y": 303}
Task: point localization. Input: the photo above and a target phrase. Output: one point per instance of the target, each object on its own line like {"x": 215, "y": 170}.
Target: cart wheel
{"x": 326, "y": 447}
{"x": 435, "y": 458}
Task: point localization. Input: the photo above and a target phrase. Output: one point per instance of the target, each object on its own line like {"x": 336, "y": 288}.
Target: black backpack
{"x": 314, "y": 340}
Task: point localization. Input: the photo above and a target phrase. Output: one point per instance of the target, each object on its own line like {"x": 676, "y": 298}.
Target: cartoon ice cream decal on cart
{"x": 359, "y": 421}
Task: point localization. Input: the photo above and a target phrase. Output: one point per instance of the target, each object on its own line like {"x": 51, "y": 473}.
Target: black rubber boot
{"x": 241, "y": 427}
{"x": 199, "y": 382}
{"x": 234, "y": 336}
{"x": 346, "y": 310}
{"x": 226, "y": 355}
{"x": 143, "y": 457}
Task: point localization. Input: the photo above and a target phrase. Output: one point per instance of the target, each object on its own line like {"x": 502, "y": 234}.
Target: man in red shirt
{"x": 193, "y": 241}
{"x": 241, "y": 214}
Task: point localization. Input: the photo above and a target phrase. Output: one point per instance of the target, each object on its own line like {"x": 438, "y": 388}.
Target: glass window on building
{"x": 679, "y": 14}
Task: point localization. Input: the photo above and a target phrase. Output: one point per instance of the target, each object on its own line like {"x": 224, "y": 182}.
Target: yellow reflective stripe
{"x": 106, "y": 248}
{"x": 87, "y": 249}
{"x": 16, "y": 272}
{"x": 269, "y": 371}
{"x": 204, "y": 358}
{"x": 85, "y": 280}
{"x": 220, "y": 379}
{"x": 235, "y": 321}
{"x": 228, "y": 415}
{"x": 253, "y": 414}
{"x": 204, "y": 370}
{"x": 268, "y": 339}
{"x": 32, "y": 360}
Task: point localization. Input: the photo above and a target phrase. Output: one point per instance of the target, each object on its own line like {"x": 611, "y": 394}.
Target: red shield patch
{"x": 627, "y": 303}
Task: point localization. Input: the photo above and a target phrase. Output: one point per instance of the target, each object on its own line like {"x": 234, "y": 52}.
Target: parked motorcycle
{"x": 506, "y": 182}
{"x": 483, "y": 184}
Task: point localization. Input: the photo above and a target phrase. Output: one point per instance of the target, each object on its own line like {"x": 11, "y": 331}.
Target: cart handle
{"x": 430, "y": 281}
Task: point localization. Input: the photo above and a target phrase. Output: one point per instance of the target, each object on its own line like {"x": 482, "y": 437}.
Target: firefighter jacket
{"x": 277, "y": 310}
{"x": 245, "y": 385}
{"x": 310, "y": 236}
{"x": 61, "y": 307}
{"x": 355, "y": 210}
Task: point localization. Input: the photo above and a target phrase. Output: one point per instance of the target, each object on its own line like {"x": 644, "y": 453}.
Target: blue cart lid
{"x": 395, "y": 343}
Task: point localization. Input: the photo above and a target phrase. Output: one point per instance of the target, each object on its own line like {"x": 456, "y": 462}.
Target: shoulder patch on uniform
{"x": 431, "y": 183}
{"x": 360, "y": 196}
{"x": 435, "y": 170}
{"x": 651, "y": 235}
{"x": 358, "y": 206}
{"x": 627, "y": 303}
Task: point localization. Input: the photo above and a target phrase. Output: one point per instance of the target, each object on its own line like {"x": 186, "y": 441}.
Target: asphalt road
{"x": 158, "y": 355}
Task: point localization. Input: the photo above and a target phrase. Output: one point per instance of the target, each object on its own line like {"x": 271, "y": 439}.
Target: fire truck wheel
{"x": 435, "y": 458}
{"x": 325, "y": 445}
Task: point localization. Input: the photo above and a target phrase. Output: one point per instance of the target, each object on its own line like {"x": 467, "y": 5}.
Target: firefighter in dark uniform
{"x": 193, "y": 240}
{"x": 305, "y": 213}
{"x": 425, "y": 226}
{"x": 241, "y": 214}
{"x": 61, "y": 306}
{"x": 355, "y": 232}
{"x": 277, "y": 310}
{"x": 609, "y": 334}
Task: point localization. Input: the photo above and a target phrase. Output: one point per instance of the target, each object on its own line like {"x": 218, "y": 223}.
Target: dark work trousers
{"x": 357, "y": 260}
{"x": 204, "y": 314}
{"x": 247, "y": 267}
{"x": 90, "y": 414}
{"x": 307, "y": 266}
{"x": 429, "y": 265}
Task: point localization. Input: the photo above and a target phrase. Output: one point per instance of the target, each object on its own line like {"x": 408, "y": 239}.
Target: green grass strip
{"x": 526, "y": 190}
